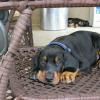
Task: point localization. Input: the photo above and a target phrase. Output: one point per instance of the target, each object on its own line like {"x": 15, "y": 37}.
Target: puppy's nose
{"x": 49, "y": 76}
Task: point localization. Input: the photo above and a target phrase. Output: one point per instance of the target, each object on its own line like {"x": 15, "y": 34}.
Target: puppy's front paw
{"x": 68, "y": 77}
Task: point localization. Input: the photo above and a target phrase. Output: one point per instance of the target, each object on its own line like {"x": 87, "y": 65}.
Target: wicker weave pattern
{"x": 85, "y": 89}
{"x": 86, "y": 86}
{"x": 6, "y": 62}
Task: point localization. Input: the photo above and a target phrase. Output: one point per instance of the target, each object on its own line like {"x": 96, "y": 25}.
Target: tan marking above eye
{"x": 56, "y": 59}
{"x": 45, "y": 58}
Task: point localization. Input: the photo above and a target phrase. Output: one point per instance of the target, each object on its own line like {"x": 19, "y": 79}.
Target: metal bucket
{"x": 4, "y": 14}
{"x": 3, "y": 39}
{"x": 54, "y": 18}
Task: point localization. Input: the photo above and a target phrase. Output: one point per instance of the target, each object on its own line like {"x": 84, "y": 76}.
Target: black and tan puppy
{"x": 64, "y": 57}
{"x": 77, "y": 22}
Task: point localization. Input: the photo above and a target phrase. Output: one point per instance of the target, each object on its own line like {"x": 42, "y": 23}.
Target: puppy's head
{"x": 50, "y": 63}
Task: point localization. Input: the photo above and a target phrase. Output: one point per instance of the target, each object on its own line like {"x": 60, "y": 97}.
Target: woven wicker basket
{"x": 17, "y": 63}
{"x": 86, "y": 86}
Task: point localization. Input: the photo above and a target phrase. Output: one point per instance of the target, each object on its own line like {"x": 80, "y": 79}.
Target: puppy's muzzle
{"x": 49, "y": 76}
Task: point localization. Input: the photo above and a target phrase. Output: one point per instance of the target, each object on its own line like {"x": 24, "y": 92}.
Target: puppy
{"x": 66, "y": 56}
{"x": 76, "y": 22}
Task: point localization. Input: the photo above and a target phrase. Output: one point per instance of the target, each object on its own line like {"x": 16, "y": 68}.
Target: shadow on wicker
{"x": 85, "y": 87}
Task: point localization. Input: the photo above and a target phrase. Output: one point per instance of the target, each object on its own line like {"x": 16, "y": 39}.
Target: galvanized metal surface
{"x": 54, "y": 18}
{"x": 3, "y": 39}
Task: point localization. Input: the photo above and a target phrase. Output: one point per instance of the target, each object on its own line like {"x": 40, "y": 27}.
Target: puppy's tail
{"x": 95, "y": 40}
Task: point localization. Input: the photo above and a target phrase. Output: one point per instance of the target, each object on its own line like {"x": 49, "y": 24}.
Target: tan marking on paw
{"x": 68, "y": 77}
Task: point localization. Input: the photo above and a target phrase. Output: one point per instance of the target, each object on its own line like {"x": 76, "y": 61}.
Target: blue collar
{"x": 66, "y": 48}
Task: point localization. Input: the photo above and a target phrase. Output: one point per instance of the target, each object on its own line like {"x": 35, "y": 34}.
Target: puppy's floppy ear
{"x": 35, "y": 66}
{"x": 70, "y": 62}
{"x": 35, "y": 61}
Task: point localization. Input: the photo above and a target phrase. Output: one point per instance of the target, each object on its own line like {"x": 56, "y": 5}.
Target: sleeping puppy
{"x": 66, "y": 56}
{"x": 77, "y": 22}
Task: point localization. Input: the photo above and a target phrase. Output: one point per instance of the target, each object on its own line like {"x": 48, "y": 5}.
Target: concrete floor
{"x": 42, "y": 38}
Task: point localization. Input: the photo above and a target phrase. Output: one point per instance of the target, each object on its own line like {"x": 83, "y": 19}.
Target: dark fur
{"x": 76, "y": 22}
{"x": 84, "y": 45}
